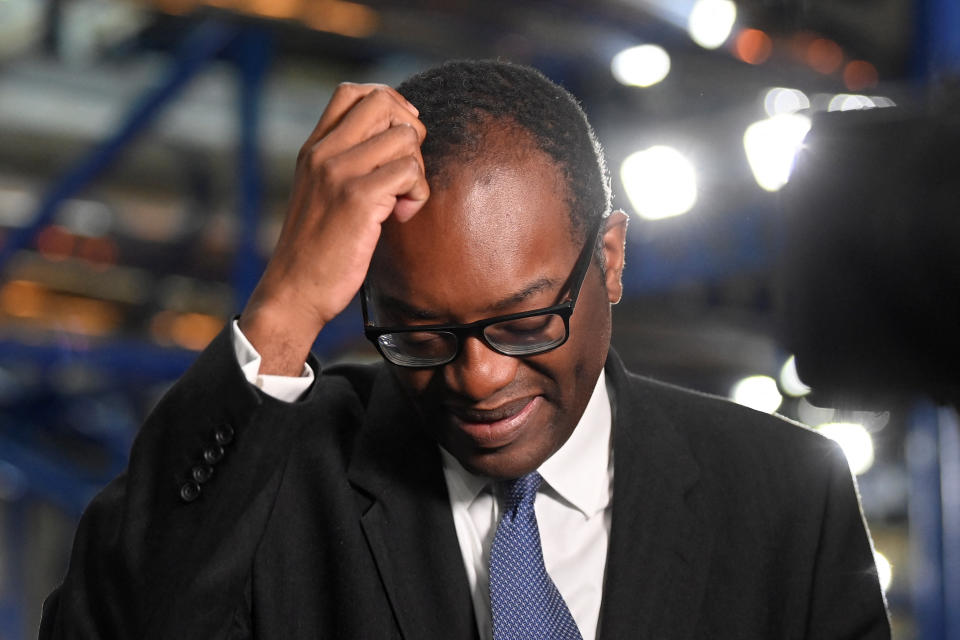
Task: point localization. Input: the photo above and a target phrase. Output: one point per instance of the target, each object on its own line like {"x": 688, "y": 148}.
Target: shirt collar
{"x": 463, "y": 486}
{"x": 579, "y": 472}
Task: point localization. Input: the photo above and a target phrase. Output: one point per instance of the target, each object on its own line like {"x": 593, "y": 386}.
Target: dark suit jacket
{"x": 329, "y": 518}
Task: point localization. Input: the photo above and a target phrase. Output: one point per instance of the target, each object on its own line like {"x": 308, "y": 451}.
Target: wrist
{"x": 280, "y": 335}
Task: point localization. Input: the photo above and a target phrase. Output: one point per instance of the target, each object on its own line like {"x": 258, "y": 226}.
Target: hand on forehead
{"x": 490, "y": 228}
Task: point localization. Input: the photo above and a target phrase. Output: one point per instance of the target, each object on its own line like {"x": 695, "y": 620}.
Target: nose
{"x": 479, "y": 371}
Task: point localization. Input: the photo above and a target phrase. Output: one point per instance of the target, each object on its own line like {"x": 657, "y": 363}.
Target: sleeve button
{"x": 190, "y": 491}
{"x": 213, "y": 455}
{"x": 201, "y": 473}
{"x": 223, "y": 434}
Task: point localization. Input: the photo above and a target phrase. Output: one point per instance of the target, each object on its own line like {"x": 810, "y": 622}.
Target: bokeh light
{"x": 853, "y": 102}
{"x": 780, "y": 100}
{"x": 23, "y": 299}
{"x": 711, "y": 21}
{"x": 641, "y": 66}
{"x": 790, "y": 380}
{"x": 859, "y": 75}
{"x": 855, "y": 441}
{"x": 824, "y": 55}
{"x": 55, "y": 243}
{"x": 21, "y": 26}
{"x": 771, "y": 146}
{"x": 809, "y": 413}
{"x": 883, "y": 102}
{"x": 753, "y": 46}
{"x": 660, "y": 182}
{"x": 884, "y": 570}
{"x": 757, "y": 392}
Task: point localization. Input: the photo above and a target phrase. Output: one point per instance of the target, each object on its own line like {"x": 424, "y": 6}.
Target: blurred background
{"x": 147, "y": 150}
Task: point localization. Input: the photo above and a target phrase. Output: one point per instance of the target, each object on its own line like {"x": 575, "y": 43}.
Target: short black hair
{"x": 459, "y": 99}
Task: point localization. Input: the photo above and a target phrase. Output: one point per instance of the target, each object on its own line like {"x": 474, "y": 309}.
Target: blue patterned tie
{"x": 524, "y": 602}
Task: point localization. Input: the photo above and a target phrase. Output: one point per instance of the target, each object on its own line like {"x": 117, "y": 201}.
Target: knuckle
{"x": 409, "y": 134}
{"x": 304, "y": 155}
{"x": 380, "y": 91}
{"x": 319, "y": 164}
{"x": 326, "y": 168}
{"x": 352, "y": 191}
{"x": 348, "y": 88}
{"x": 382, "y": 95}
{"x": 410, "y": 165}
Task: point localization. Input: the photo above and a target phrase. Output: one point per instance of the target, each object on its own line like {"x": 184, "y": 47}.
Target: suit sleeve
{"x": 169, "y": 544}
{"x": 847, "y": 601}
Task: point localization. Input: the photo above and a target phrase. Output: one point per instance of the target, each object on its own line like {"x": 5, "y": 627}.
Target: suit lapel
{"x": 406, "y": 518}
{"x": 659, "y": 552}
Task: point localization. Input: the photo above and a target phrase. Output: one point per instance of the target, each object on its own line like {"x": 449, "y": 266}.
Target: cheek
{"x": 590, "y": 334}
{"x": 591, "y": 328}
{"x": 415, "y": 381}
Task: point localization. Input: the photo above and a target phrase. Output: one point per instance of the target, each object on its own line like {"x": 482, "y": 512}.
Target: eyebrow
{"x": 413, "y": 312}
{"x": 535, "y": 287}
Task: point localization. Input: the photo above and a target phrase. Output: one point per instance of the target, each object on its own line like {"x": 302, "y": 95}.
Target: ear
{"x": 614, "y": 246}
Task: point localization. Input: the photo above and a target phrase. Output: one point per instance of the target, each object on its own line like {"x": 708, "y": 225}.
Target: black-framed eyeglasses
{"x": 516, "y": 334}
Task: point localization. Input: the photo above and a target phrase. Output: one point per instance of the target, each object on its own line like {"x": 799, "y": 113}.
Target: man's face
{"x": 494, "y": 239}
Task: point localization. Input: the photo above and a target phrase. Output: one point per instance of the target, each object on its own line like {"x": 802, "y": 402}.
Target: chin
{"x": 508, "y": 462}
{"x": 499, "y": 465}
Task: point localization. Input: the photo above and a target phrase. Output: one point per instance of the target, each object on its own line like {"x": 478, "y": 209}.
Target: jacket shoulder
{"x": 706, "y": 416}
{"x": 733, "y": 443}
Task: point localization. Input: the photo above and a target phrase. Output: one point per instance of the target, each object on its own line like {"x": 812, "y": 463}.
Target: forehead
{"x": 491, "y": 227}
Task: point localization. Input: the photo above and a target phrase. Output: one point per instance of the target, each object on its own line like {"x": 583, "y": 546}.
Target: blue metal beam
{"x": 949, "y": 434}
{"x": 926, "y": 517}
{"x": 196, "y": 50}
{"x": 937, "y": 39}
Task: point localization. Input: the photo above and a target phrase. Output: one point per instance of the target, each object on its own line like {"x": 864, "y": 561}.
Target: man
{"x": 567, "y": 498}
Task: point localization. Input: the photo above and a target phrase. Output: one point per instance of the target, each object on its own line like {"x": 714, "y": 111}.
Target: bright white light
{"x": 812, "y": 414}
{"x": 757, "y": 392}
{"x": 641, "y": 66}
{"x": 783, "y": 100}
{"x": 850, "y": 102}
{"x": 771, "y": 146}
{"x": 883, "y": 101}
{"x": 790, "y": 380}
{"x": 884, "y": 570}
{"x": 855, "y": 441}
{"x": 16, "y": 206}
{"x": 711, "y": 22}
{"x": 86, "y": 217}
{"x": 659, "y": 182}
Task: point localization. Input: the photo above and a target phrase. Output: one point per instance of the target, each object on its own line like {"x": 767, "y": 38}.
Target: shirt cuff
{"x": 285, "y": 388}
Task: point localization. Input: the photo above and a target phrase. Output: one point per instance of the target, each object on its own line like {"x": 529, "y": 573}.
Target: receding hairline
{"x": 503, "y": 142}
{"x": 455, "y": 95}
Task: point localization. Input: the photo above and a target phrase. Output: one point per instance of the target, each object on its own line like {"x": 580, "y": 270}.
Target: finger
{"x": 344, "y": 98}
{"x": 400, "y": 186}
{"x": 396, "y": 142}
{"x": 375, "y": 113}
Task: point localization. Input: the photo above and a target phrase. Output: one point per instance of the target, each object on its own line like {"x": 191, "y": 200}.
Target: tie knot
{"x": 521, "y": 491}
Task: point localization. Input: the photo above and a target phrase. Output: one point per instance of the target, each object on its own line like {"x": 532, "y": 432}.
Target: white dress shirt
{"x": 573, "y": 504}
{"x": 573, "y": 514}
{"x": 286, "y": 388}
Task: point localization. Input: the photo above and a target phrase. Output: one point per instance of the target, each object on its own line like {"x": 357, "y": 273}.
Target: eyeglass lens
{"x": 522, "y": 336}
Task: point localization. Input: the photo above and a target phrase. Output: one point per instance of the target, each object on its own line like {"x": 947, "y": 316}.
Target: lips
{"x": 505, "y": 410}
{"x": 497, "y": 427}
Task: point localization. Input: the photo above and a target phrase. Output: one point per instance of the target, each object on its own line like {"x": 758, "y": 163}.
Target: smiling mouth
{"x": 492, "y": 428}
{"x": 504, "y": 411}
